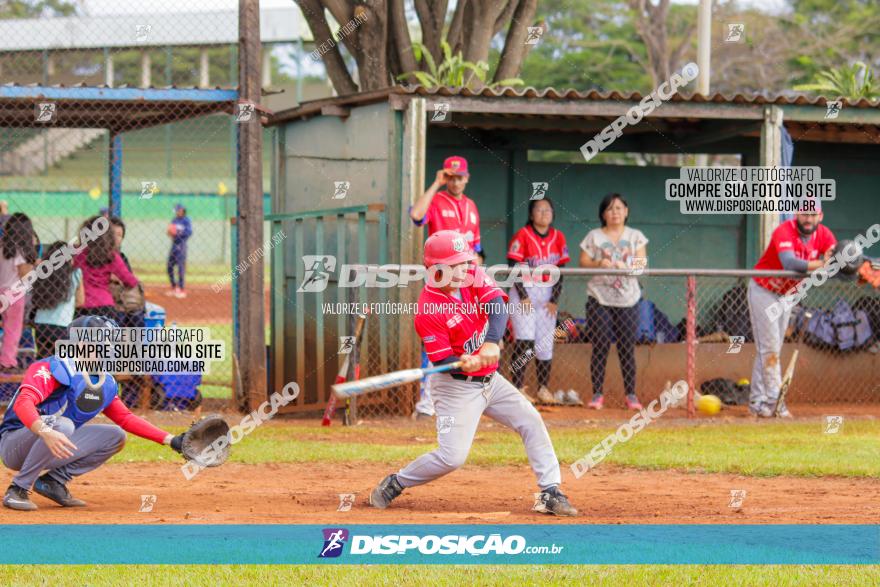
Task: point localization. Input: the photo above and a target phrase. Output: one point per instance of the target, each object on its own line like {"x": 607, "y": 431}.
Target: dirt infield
{"x": 307, "y": 494}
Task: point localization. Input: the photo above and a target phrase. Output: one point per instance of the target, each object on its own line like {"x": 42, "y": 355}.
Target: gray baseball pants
{"x": 459, "y": 405}
{"x": 769, "y": 336}
{"x": 25, "y": 452}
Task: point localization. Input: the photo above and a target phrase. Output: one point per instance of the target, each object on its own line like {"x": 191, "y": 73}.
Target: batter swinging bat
{"x": 393, "y": 379}
{"x": 786, "y": 381}
{"x": 343, "y": 370}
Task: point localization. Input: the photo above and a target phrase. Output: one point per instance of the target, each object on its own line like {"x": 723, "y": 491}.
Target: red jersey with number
{"x": 450, "y": 326}
{"x": 787, "y": 238}
{"x": 448, "y": 213}
{"x": 529, "y": 247}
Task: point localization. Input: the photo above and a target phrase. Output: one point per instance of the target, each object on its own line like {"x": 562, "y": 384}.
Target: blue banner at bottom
{"x": 440, "y": 544}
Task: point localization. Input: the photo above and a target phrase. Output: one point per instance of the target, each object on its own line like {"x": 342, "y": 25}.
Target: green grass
{"x": 791, "y": 448}
{"x": 147, "y": 576}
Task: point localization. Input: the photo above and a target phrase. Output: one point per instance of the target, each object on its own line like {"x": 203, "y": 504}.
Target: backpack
{"x": 645, "y": 331}
{"x": 727, "y": 391}
{"x": 654, "y": 325}
{"x": 870, "y": 305}
{"x": 839, "y": 328}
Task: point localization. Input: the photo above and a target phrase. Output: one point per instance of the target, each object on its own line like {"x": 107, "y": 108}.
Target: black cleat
{"x": 17, "y": 498}
{"x": 57, "y": 492}
{"x": 553, "y": 501}
{"x": 385, "y": 492}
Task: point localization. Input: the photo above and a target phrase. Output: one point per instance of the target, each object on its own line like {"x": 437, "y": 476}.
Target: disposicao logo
{"x": 334, "y": 541}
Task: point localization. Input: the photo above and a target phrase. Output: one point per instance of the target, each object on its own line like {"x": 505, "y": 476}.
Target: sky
{"x": 121, "y": 6}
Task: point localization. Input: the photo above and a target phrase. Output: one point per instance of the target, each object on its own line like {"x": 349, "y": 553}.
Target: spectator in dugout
{"x": 17, "y": 259}
{"x": 612, "y": 313}
{"x": 55, "y": 299}
{"x": 801, "y": 244}
{"x": 129, "y": 301}
{"x": 535, "y": 244}
{"x": 98, "y": 262}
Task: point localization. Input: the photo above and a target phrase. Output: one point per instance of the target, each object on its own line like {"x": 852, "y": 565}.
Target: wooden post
{"x": 771, "y": 149}
{"x": 249, "y": 214}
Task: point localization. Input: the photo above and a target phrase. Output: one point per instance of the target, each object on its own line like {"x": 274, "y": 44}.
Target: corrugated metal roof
{"x": 149, "y": 29}
{"x": 788, "y": 98}
{"x": 552, "y": 96}
{"x": 106, "y": 87}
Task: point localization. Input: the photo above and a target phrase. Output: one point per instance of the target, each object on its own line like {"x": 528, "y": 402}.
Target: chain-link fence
{"x": 593, "y": 347}
{"x": 131, "y": 116}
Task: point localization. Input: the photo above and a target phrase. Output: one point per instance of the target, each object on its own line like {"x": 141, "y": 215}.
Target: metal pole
{"x": 704, "y": 45}
{"x": 115, "y": 174}
{"x": 704, "y": 59}
{"x": 249, "y": 215}
{"x": 691, "y": 328}
{"x": 299, "y": 73}
{"x": 169, "y": 79}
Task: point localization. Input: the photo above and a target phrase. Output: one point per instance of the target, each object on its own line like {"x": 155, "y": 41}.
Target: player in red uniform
{"x": 464, "y": 320}
{"x": 42, "y": 429}
{"x": 447, "y": 209}
{"x": 535, "y": 244}
{"x": 800, "y": 244}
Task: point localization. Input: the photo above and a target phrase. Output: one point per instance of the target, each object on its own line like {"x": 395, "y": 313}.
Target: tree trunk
{"x": 515, "y": 48}
{"x": 432, "y": 15}
{"x": 484, "y": 13}
{"x": 372, "y": 39}
{"x": 399, "y": 42}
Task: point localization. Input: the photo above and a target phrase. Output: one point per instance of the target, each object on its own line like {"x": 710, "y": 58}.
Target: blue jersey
{"x": 71, "y": 398}
{"x": 184, "y": 231}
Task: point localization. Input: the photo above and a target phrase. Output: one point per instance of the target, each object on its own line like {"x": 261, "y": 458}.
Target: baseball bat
{"x": 786, "y": 381}
{"x": 343, "y": 371}
{"x": 789, "y": 370}
{"x": 393, "y": 379}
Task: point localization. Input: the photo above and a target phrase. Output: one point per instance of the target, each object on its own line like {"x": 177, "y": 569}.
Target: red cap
{"x": 447, "y": 247}
{"x": 456, "y": 165}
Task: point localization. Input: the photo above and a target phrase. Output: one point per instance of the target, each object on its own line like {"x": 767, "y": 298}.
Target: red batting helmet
{"x": 447, "y": 247}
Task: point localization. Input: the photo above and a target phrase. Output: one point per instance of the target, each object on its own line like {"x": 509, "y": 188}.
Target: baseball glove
{"x": 197, "y": 443}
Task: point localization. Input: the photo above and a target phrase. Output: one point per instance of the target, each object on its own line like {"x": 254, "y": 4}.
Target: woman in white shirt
{"x": 612, "y": 315}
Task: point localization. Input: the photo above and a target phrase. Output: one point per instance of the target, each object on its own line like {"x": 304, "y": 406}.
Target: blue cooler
{"x": 154, "y": 315}
{"x": 178, "y": 391}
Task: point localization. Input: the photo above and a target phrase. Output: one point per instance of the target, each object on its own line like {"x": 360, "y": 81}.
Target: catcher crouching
{"x": 43, "y": 436}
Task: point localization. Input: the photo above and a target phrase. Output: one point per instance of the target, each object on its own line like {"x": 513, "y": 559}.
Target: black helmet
{"x": 850, "y": 249}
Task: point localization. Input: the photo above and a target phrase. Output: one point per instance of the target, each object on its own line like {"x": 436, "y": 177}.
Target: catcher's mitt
{"x": 198, "y": 443}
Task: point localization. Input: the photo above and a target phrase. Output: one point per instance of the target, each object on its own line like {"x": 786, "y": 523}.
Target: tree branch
{"x": 515, "y": 47}
{"x": 504, "y": 17}
{"x": 313, "y": 12}
{"x": 456, "y": 27}
{"x": 399, "y": 39}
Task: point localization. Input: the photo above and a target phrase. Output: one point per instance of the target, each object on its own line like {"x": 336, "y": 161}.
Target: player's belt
{"x": 471, "y": 378}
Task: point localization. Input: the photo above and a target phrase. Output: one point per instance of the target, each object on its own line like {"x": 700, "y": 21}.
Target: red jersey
{"x": 451, "y": 326}
{"x": 530, "y": 247}
{"x": 38, "y": 384}
{"x": 448, "y": 213}
{"x": 787, "y": 238}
